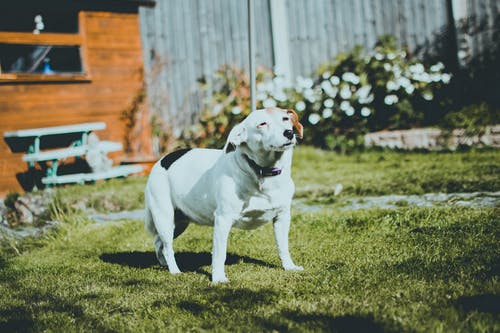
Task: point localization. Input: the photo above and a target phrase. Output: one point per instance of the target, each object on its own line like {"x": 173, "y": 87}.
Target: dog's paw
{"x": 220, "y": 279}
{"x": 174, "y": 270}
{"x": 293, "y": 268}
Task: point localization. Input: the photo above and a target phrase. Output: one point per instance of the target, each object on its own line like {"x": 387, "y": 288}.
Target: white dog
{"x": 246, "y": 184}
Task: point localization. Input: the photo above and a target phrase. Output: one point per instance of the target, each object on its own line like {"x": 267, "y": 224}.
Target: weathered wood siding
{"x": 478, "y": 27}
{"x": 188, "y": 40}
{"x": 321, "y": 29}
{"x": 185, "y": 41}
{"x": 112, "y": 47}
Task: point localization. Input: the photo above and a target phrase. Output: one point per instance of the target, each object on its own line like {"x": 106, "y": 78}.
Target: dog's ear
{"x": 295, "y": 121}
{"x": 236, "y": 137}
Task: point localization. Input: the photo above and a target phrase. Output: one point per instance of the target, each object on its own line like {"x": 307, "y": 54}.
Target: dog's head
{"x": 266, "y": 130}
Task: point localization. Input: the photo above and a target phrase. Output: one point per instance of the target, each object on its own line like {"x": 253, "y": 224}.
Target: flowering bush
{"x": 358, "y": 92}
{"x": 355, "y": 93}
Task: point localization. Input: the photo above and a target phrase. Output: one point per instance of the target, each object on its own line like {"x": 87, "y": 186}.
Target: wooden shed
{"x": 65, "y": 62}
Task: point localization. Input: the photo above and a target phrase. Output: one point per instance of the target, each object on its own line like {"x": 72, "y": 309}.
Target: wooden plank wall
{"x": 185, "y": 41}
{"x": 321, "y": 29}
{"x": 477, "y": 24}
{"x": 112, "y": 46}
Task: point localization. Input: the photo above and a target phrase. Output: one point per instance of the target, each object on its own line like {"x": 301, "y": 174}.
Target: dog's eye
{"x": 262, "y": 124}
{"x": 286, "y": 119}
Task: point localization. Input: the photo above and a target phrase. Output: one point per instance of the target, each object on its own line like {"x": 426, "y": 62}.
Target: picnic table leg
{"x": 52, "y": 170}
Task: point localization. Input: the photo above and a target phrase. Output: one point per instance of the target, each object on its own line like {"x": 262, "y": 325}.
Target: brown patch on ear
{"x": 295, "y": 121}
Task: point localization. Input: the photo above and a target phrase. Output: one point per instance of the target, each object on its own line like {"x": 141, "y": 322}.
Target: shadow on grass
{"x": 243, "y": 302}
{"x": 327, "y": 323}
{"x": 187, "y": 261}
{"x": 486, "y": 303}
{"x": 480, "y": 264}
{"x": 16, "y": 319}
{"x": 38, "y": 306}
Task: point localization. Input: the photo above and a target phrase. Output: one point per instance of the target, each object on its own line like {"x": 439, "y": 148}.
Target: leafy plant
{"x": 353, "y": 94}
{"x": 473, "y": 119}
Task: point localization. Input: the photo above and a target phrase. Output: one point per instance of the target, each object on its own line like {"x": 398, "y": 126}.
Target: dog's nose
{"x": 288, "y": 134}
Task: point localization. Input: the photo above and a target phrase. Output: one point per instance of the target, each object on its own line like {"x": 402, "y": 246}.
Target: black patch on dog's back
{"x": 168, "y": 160}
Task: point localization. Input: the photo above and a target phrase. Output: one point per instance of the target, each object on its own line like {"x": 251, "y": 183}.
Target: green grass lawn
{"x": 408, "y": 269}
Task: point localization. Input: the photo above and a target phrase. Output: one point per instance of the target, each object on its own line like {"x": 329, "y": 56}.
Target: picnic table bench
{"x": 79, "y": 148}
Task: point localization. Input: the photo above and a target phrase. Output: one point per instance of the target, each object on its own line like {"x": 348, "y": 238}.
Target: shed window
{"x": 42, "y": 59}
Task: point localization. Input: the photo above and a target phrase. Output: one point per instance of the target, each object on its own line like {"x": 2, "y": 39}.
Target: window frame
{"x": 55, "y": 39}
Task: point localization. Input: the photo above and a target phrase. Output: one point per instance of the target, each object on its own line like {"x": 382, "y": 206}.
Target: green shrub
{"x": 353, "y": 94}
{"x": 473, "y": 119}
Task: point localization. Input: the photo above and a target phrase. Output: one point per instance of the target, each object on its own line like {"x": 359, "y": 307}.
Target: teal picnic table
{"x": 78, "y": 148}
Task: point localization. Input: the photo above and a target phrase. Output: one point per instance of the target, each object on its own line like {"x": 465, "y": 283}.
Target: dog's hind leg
{"x": 161, "y": 208}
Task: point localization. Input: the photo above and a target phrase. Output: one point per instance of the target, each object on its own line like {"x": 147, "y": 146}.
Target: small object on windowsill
{"x": 39, "y": 25}
{"x": 46, "y": 67}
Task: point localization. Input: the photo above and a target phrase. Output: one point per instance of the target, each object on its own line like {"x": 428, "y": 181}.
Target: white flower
{"x": 236, "y": 110}
{"x": 345, "y": 92}
{"x": 350, "y": 111}
{"x": 335, "y": 80}
{"x": 422, "y": 77}
{"x": 309, "y": 95}
{"x": 308, "y": 83}
{"x": 261, "y": 86}
{"x": 427, "y": 95}
{"x": 280, "y": 96}
{"x": 391, "y": 86}
{"x": 280, "y": 82}
{"x": 363, "y": 92}
{"x": 379, "y": 56}
{"x": 327, "y": 113}
{"x": 300, "y": 106}
{"x": 445, "y": 77}
{"x": 326, "y": 75}
{"x": 417, "y": 68}
{"x": 344, "y": 105}
{"x": 365, "y": 112}
{"x": 367, "y": 100}
{"x": 218, "y": 108}
{"x": 326, "y": 85}
{"x": 436, "y": 77}
{"x": 260, "y": 96}
{"x": 391, "y": 56}
{"x": 404, "y": 82}
{"x": 332, "y": 92}
{"x": 397, "y": 71}
{"x": 269, "y": 103}
{"x": 314, "y": 118}
{"x": 265, "y": 86}
{"x": 303, "y": 83}
{"x": 350, "y": 77}
{"x": 437, "y": 67}
{"x": 328, "y": 103}
{"x": 410, "y": 89}
{"x": 391, "y": 99}
{"x": 387, "y": 66}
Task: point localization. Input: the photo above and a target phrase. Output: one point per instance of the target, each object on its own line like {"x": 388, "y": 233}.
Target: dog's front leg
{"x": 222, "y": 226}
{"x": 281, "y": 229}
